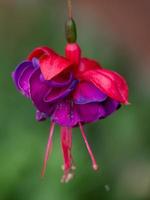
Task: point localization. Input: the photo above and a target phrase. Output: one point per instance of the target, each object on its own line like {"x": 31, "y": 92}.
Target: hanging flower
{"x": 70, "y": 91}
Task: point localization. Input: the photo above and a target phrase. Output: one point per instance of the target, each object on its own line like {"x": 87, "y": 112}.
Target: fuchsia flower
{"x": 70, "y": 91}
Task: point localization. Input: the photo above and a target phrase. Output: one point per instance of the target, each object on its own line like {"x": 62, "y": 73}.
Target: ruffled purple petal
{"x": 21, "y": 77}
{"x": 95, "y": 111}
{"x": 38, "y": 90}
{"x": 110, "y": 106}
{"x": 90, "y": 112}
{"x": 40, "y": 116}
{"x": 36, "y": 63}
{"x": 87, "y": 93}
{"x": 23, "y": 81}
{"x": 65, "y": 114}
{"x": 61, "y": 81}
{"x": 55, "y": 94}
{"x": 69, "y": 114}
{"x": 18, "y": 72}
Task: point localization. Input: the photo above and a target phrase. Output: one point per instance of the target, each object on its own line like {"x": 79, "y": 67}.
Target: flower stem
{"x": 69, "y": 8}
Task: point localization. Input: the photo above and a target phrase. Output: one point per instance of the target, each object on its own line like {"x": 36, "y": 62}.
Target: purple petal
{"x": 55, "y": 94}
{"x": 69, "y": 114}
{"x": 40, "y": 116}
{"x": 61, "y": 81}
{"x": 35, "y": 62}
{"x": 90, "y": 112}
{"x": 19, "y": 70}
{"x": 110, "y": 106}
{"x": 95, "y": 111}
{"x": 23, "y": 81}
{"x": 38, "y": 90}
{"x": 21, "y": 77}
{"x": 87, "y": 93}
{"x": 65, "y": 114}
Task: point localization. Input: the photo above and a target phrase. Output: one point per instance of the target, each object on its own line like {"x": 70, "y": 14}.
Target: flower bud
{"x": 71, "y": 33}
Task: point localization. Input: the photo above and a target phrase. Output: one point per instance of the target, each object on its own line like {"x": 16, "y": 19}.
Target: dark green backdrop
{"x": 120, "y": 143}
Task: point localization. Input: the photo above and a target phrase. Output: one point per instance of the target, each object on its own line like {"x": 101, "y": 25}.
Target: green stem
{"x": 71, "y": 32}
{"x": 69, "y": 9}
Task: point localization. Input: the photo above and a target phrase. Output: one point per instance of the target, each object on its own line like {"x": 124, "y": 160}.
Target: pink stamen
{"x": 94, "y": 164}
{"x": 48, "y": 148}
{"x": 66, "y": 142}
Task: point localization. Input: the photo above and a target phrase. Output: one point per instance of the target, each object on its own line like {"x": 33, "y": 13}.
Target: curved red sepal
{"x": 39, "y": 52}
{"x": 51, "y": 64}
{"x": 85, "y": 65}
{"x": 109, "y": 82}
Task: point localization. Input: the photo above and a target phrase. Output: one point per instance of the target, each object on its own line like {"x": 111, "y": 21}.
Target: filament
{"x": 66, "y": 142}
{"x": 94, "y": 164}
{"x": 48, "y": 148}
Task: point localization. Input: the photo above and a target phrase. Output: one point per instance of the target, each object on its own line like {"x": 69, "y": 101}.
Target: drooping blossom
{"x": 70, "y": 91}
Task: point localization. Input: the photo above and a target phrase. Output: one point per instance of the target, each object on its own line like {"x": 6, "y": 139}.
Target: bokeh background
{"x": 114, "y": 32}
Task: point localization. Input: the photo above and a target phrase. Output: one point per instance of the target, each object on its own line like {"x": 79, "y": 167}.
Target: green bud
{"x": 71, "y": 32}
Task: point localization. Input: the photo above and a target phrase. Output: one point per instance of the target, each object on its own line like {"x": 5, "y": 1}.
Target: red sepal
{"x": 109, "y": 82}
{"x": 85, "y": 65}
{"x": 51, "y": 64}
{"x": 39, "y": 52}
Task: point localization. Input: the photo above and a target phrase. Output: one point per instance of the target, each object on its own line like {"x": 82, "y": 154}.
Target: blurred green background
{"x": 121, "y": 143}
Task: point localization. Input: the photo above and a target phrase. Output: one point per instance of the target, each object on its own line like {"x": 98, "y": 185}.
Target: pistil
{"x": 66, "y": 142}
